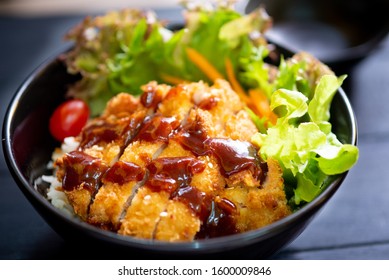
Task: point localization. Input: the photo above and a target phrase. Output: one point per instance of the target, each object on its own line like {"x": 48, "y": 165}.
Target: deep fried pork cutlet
{"x": 175, "y": 164}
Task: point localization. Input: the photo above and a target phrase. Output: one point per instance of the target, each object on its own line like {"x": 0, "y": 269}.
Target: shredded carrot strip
{"x": 234, "y": 81}
{"x": 172, "y": 79}
{"x": 203, "y": 64}
{"x": 261, "y": 104}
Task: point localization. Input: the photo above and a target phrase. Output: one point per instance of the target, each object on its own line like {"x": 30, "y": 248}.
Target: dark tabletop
{"x": 353, "y": 225}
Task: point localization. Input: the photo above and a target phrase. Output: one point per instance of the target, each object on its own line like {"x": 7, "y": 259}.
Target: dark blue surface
{"x": 353, "y": 225}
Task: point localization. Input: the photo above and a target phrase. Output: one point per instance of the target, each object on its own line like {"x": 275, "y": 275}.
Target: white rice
{"x": 54, "y": 194}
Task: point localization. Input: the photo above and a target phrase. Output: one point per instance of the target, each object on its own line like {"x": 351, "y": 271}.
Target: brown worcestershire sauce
{"x": 233, "y": 155}
{"x": 151, "y": 97}
{"x": 171, "y": 173}
{"x": 215, "y": 214}
{"x": 174, "y": 175}
{"x": 98, "y": 132}
{"x": 82, "y": 170}
{"x": 157, "y": 128}
{"x": 123, "y": 172}
{"x": 219, "y": 221}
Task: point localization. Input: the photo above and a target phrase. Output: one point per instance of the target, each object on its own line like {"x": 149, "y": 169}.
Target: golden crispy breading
{"x": 260, "y": 206}
{"x": 174, "y": 149}
{"x": 177, "y": 223}
{"x": 109, "y": 153}
{"x": 113, "y": 198}
{"x": 80, "y": 174}
{"x": 144, "y": 213}
{"x": 80, "y": 199}
{"x": 210, "y": 181}
{"x": 220, "y": 102}
{"x": 123, "y": 103}
{"x": 243, "y": 178}
{"x": 229, "y": 102}
{"x": 177, "y": 164}
{"x": 240, "y": 127}
{"x": 133, "y": 225}
{"x": 105, "y": 138}
{"x": 109, "y": 203}
{"x": 177, "y": 104}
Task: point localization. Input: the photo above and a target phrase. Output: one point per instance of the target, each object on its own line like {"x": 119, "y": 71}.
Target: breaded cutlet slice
{"x": 177, "y": 222}
{"x": 144, "y": 213}
{"x": 113, "y": 199}
{"x": 107, "y": 136}
{"x": 176, "y": 104}
{"x": 158, "y": 190}
{"x": 260, "y": 206}
{"x": 213, "y": 104}
{"x": 240, "y": 126}
{"x": 257, "y": 203}
{"x": 103, "y": 140}
{"x": 199, "y": 127}
{"x": 80, "y": 175}
{"x": 204, "y": 122}
{"x": 225, "y": 111}
{"x": 221, "y": 102}
{"x": 114, "y": 196}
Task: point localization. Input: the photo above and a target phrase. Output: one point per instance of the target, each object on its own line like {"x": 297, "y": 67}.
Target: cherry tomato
{"x": 68, "y": 119}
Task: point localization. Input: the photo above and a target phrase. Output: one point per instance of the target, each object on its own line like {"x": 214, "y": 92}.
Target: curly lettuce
{"x": 121, "y": 51}
{"x": 115, "y": 52}
{"x": 302, "y": 140}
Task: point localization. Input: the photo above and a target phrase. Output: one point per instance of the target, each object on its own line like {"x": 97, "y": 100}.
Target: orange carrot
{"x": 203, "y": 64}
{"x": 234, "y": 81}
{"x": 172, "y": 79}
{"x": 261, "y": 103}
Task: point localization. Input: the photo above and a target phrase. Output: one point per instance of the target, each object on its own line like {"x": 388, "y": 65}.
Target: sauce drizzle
{"x": 82, "y": 170}
{"x": 123, "y": 172}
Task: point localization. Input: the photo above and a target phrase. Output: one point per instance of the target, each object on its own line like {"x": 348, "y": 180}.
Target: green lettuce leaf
{"x": 114, "y": 53}
{"x": 319, "y": 107}
{"x": 302, "y": 140}
{"x": 121, "y": 51}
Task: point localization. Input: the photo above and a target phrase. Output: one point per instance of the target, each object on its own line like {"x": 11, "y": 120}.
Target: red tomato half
{"x": 68, "y": 119}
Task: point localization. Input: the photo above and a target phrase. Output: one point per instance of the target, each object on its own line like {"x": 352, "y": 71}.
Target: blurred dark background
{"x": 336, "y": 31}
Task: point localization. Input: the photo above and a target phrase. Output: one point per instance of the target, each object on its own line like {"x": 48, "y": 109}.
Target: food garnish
{"x": 68, "y": 119}
{"x": 165, "y": 90}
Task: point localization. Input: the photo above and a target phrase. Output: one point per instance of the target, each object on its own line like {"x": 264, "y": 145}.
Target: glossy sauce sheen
{"x": 234, "y": 156}
{"x": 151, "y": 98}
{"x": 123, "y": 172}
{"x": 169, "y": 174}
{"x": 122, "y": 130}
{"x": 82, "y": 170}
{"x": 97, "y": 133}
{"x": 157, "y": 128}
{"x": 174, "y": 175}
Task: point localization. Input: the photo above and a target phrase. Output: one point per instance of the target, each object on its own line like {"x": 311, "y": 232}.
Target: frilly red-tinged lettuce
{"x": 115, "y": 52}
{"x": 121, "y": 51}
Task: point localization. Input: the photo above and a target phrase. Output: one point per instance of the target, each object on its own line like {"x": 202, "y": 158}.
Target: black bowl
{"x": 28, "y": 146}
{"x": 336, "y": 32}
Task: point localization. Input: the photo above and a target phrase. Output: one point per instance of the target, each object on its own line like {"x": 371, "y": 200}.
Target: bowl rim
{"x": 216, "y": 244}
